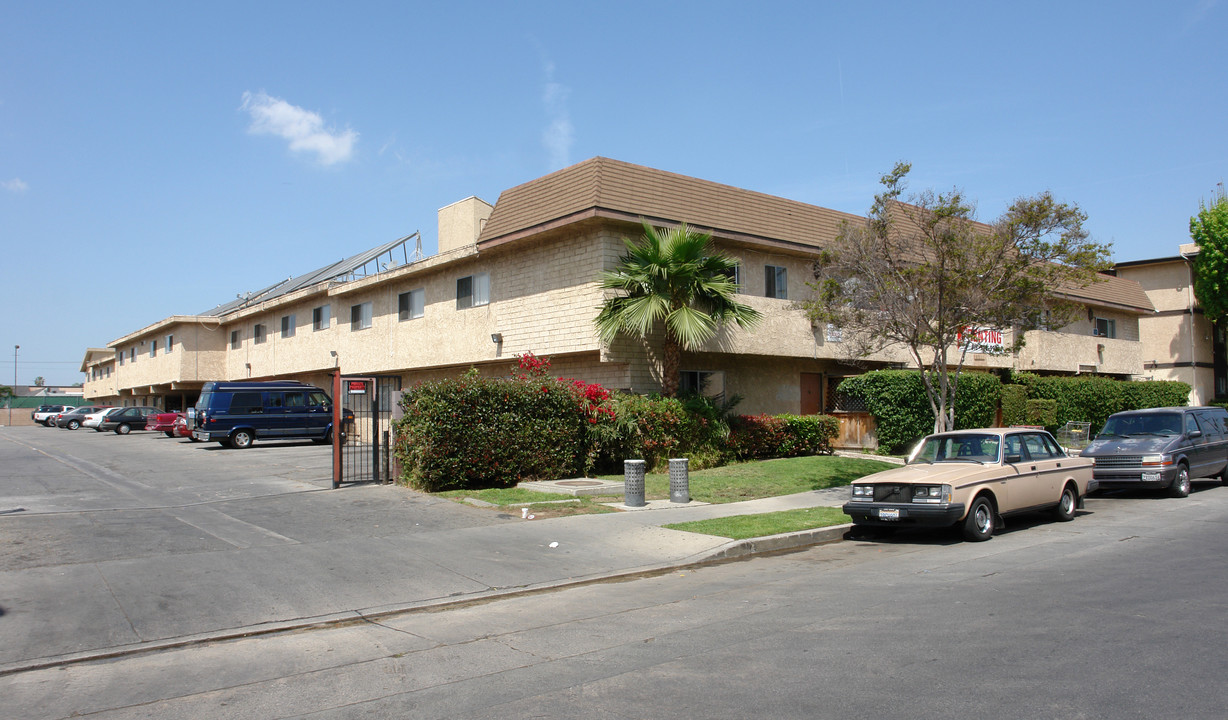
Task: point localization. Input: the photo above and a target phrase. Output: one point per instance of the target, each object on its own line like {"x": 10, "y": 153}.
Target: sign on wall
{"x": 980, "y": 340}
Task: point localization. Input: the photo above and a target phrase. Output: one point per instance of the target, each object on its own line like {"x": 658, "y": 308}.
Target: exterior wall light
{"x": 496, "y": 338}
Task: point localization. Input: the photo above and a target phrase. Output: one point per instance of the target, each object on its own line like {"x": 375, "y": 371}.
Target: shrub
{"x": 655, "y": 428}
{"x": 474, "y": 432}
{"x": 810, "y": 434}
{"x": 901, "y": 410}
{"x": 1093, "y": 398}
{"x": 1040, "y": 412}
{"x": 753, "y": 437}
{"x": 1014, "y": 404}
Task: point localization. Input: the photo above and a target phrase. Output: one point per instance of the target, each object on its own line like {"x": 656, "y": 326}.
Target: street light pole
{"x": 13, "y": 397}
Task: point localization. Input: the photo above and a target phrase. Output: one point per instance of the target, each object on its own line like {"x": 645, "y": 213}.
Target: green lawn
{"x": 741, "y": 527}
{"x": 765, "y": 478}
{"x": 731, "y": 483}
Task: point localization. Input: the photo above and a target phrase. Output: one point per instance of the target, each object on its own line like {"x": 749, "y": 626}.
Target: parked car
{"x": 973, "y": 479}
{"x": 1161, "y": 448}
{"x": 47, "y": 417}
{"x": 94, "y": 420}
{"x": 166, "y": 423}
{"x": 73, "y": 419}
{"x": 237, "y": 413}
{"x": 39, "y": 409}
{"x": 125, "y": 420}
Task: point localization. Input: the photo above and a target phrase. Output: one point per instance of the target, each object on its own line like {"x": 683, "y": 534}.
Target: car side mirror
{"x": 1012, "y": 459}
{"x": 1194, "y": 433}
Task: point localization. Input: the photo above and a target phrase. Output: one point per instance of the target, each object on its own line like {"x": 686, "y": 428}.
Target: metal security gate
{"x": 364, "y": 452}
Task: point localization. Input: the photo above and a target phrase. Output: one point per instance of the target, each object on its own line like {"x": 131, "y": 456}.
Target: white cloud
{"x": 559, "y": 133}
{"x": 16, "y": 185}
{"x": 304, "y": 129}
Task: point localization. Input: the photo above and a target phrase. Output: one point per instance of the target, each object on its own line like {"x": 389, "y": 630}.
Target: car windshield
{"x": 961, "y": 447}
{"x": 1143, "y": 424}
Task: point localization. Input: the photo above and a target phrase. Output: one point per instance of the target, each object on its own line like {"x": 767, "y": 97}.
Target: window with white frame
{"x": 776, "y": 282}
{"x": 236, "y": 339}
{"x": 1104, "y": 327}
{"x": 170, "y": 343}
{"x": 153, "y": 348}
{"x": 259, "y": 332}
{"x": 411, "y": 304}
{"x": 132, "y": 354}
{"x": 734, "y": 275}
{"x": 473, "y": 291}
{"x": 360, "y": 316}
{"x": 709, "y": 383}
{"x": 320, "y": 317}
{"x": 287, "y": 326}
{"x": 120, "y": 355}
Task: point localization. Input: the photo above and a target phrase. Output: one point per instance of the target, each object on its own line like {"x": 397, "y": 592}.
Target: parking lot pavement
{"x": 109, "y": 541}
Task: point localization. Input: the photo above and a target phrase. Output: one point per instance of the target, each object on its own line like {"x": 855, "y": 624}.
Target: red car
{"x": 172, "y": 424}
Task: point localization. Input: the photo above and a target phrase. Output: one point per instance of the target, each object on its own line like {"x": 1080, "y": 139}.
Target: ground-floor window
{"x": 709, "y": 383}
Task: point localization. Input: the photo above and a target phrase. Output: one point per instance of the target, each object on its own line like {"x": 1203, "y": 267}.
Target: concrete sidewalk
{"x": 260, "y": 579}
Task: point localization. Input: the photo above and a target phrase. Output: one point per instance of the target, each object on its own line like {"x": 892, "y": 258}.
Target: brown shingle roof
{"x": 602, "y": 187}
{"x": 611, "y": 188}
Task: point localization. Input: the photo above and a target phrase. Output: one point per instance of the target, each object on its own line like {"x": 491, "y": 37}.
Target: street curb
{"x": 733, "y": 550}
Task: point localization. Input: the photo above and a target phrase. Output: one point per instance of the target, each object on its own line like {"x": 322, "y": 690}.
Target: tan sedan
{"x": 974, "y": 478}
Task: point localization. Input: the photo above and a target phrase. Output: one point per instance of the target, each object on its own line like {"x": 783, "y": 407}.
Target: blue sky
{"x": 158, "y": 158}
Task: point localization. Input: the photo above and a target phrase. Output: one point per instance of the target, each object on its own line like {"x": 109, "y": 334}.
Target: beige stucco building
{"x": 522, "y": 276}
{"x": 1179, "y": 342}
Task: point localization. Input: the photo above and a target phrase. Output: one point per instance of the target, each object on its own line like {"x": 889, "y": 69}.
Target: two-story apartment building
{"x": 1179, "y": 342}
{"x": 523, "y": 276}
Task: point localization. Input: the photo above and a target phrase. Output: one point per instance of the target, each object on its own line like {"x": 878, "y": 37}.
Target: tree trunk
{"x": 670, "y": 361}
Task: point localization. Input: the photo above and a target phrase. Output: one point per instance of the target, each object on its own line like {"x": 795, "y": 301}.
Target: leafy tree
{"x": 39, "y": 381}
{"x": 6, "y": 392}
{"x": 1209, "y": 228}
{"x": 925, "y": 275}
{"x": 675, "y": 279}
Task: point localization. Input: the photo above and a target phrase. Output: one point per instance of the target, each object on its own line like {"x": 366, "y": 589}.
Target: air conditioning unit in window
{"x": 1096, "y": 331}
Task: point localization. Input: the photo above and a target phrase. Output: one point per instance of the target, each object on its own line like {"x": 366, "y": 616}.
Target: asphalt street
{"x": 1115, "y": 615}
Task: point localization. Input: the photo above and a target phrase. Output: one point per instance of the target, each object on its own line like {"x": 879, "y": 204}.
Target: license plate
{"x": 889, "y": 514}
{"x": 1149, "y": 477}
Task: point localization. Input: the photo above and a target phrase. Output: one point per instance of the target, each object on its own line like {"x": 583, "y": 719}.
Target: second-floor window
{"x": 410, "y": 304}
{"x": 360, "y": 316}
{"x": 258, "y": 333}
{"x": 1104, "y": 327}
{"x": 776, "y": 282}
{"x": 236, "y": 339}
{"x": 320, "y": 317}
{"x": 287, "y": 326}
{"x": 472, "y": 291}
{"x": 170, "y": 343}
{"x": 153, "y": 348}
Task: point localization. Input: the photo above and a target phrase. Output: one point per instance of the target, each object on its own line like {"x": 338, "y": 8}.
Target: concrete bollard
{"x": 633, "y": 482}
{"x": 679, "y": 481}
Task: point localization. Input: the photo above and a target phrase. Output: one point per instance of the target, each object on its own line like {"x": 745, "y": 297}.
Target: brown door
{"x": 812, "y": 393}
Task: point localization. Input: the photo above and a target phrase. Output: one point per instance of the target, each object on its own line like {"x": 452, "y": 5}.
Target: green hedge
{"x": 474, "y": 432}
{"x": 897, "y": 400}
{"x": 756, "y": 437}
{"x": 1014, "y": 404}
{"x": 1093, "y": 398}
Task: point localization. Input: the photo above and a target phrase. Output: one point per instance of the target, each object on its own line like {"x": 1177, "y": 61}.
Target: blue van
{"x": 237, "y": 413}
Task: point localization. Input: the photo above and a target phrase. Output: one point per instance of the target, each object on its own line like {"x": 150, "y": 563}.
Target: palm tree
{"x": 672, "y": 275}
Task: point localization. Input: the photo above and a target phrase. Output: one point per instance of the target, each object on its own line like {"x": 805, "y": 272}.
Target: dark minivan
{"x": 1161, "y": 448}
{"x": 237, "y": 413}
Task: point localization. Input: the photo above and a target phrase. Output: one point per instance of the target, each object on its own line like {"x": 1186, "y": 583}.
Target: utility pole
{"x": 13, "y": 397}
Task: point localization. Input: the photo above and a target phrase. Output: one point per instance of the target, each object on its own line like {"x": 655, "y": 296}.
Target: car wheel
{"x": 168, "y": 433}
{"x": 73, "y": 424}
{"x": 241, "y": 439}
{"x": 979, "y": 525}
{"x": 1065, "y": 510}
{"x": 123, "y": 429}
{"x": 1181, "y": 483}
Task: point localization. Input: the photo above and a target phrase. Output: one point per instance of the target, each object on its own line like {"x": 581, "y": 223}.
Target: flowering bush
{"x": 474, "y": 432}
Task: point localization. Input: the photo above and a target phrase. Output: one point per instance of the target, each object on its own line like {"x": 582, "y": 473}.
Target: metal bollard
{"x": 679, "y": 481}
{"x": 633, "y": 482}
